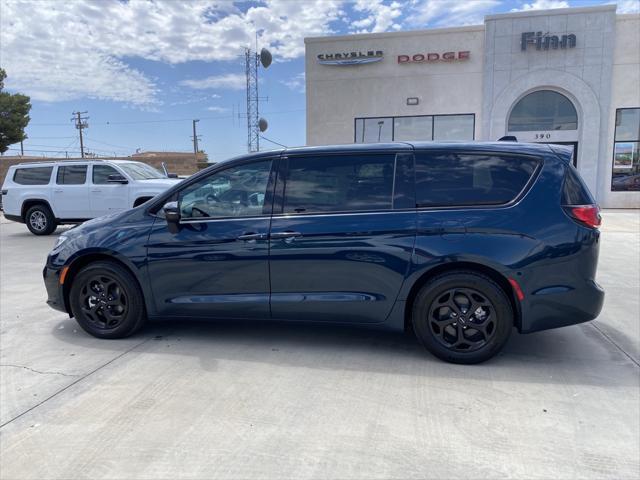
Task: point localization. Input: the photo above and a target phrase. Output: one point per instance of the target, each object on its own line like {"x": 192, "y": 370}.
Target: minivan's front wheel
{"x": 462, "y": 317}
{"x": 106, "y": 301}
{"x": 40, "y": 220}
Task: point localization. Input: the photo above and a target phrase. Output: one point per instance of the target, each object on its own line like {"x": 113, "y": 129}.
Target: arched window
{"x": 543, "y": 110}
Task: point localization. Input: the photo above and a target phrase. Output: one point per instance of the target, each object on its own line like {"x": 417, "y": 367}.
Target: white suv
{"x": 46, "y": 194}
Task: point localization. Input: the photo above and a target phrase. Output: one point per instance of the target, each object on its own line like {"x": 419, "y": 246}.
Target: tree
{"x": 14, "y": 115}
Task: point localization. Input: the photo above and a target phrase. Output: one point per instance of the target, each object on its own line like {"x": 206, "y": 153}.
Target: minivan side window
{"x": 238, "y": 191}
{"x": 338, "y": 183}
{"x": 101, "y": 174}
{"x": 453, "y": 178}
{"x": 33, "y": 176}
{"x": 71, "y": 175}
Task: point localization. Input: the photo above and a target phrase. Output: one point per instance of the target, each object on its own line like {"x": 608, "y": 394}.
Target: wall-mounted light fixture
{"x": 413, "y": 101}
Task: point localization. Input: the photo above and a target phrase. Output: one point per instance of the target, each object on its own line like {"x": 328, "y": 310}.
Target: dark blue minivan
{"x": 459, "y": 242}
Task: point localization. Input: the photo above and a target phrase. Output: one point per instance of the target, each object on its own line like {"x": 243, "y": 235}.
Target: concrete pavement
{"x": 251, "y": 400}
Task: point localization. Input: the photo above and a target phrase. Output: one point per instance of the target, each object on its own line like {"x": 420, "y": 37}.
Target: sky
{"x": 143, "y": 69}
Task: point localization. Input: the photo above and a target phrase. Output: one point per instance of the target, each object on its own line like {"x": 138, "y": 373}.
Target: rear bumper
{"x": 559, "y": 306}
{"x": 55, "y": 296}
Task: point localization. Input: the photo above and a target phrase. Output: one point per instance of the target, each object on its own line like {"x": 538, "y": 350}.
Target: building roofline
{"x": 404, "y": 33}
{"x": 552, "y": 11}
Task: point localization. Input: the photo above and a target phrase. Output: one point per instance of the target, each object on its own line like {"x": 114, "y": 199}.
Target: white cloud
{"x": 65, "y": 50}
{"x": 380, "y": 17}
{"x": 295, "y": 83}
{"x": 542, "y": 5}
{"x": 227, "y": 81}
{"x": 628, "y": 6}
{"x": 217, "y": 109}
{"x": 449, "y": 13}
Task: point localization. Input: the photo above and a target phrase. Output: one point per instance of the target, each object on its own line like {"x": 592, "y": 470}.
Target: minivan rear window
{"x": 33, "y": 176}
{"x": 339, "y": 183}
{"x": 574, "y": 191}
{"x": 451, "y": 179}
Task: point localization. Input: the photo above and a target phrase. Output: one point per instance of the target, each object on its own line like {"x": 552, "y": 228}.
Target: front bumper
{"x": 555, "y": 307}
{"x": 55, "y": 293}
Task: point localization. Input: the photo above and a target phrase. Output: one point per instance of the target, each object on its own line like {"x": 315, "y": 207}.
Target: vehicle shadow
{"x": 573, "y": 355}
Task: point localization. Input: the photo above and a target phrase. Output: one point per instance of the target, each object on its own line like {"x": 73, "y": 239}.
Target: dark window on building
{"x": 543, "y": 110}
{"x": 626, "y": 151}
{"x": 101, "y": 174}
{"x": 72, "y": 175}
{"x": 446, "y": 179}
{"x": 339, "y": 183}
{"x": 33, "y": 176}
{"x": 417, "y": 128}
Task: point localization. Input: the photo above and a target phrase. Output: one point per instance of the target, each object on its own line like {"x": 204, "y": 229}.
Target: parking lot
{"x": 260, "y": 400}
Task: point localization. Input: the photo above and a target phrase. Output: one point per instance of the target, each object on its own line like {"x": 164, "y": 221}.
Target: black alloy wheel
{"x": 107, "y": 301}
{"x": 462, "y": 317}
{"x": 103, "y": 301}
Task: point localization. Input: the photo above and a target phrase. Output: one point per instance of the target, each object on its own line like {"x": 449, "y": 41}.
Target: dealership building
{"x": 565, "y": 76}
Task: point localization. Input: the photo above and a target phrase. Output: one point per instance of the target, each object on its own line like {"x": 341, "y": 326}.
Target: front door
{"x": 71, "y": 192}
{"x": 106, "y": 197}
{"x": 217, "y": 264}
{"x": 341, "y": 236}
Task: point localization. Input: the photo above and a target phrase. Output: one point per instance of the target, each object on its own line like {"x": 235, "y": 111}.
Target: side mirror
{"x": 117, "y": 178}
{"x": 172, "y": 215}
{"x": 172, "y": 175}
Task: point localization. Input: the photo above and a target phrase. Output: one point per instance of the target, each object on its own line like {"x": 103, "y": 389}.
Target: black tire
{"x": 40, "y": 220}
{"x": 462, "y": 317}
{"x": 107, "y": 301}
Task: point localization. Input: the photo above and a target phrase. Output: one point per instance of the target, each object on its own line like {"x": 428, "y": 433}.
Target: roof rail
{"x": 65, "y": 160}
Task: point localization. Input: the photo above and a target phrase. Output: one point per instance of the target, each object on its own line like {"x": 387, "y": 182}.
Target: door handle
{"x": 251, "y": 236}
{"x": 96, "y": 190}
{"x": 287, "y": 236}
{"x": 58, "y": 190}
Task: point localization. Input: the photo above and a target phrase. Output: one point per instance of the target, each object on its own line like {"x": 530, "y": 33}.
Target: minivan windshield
{"x": 140, "y": 171}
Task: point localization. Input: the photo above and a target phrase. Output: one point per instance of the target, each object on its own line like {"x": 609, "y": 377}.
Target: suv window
{"x": 33, "y": 176}
{"x": 101, "y": 174}
{"x": 71, "y": 175}
{"x": 339, "y": 183}
{"x": 235, "y": 192}
{"x": 450, "y": 178}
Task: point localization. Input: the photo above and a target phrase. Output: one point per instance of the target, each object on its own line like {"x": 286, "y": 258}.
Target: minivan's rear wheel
{"x": 40, "y": 220}
{"x": 462, "y": 317}
{"x": 106, "y": 301}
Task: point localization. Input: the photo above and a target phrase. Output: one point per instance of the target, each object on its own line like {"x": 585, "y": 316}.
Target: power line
{"x": 269, "y": 140}
{"x": 169, "y": 120}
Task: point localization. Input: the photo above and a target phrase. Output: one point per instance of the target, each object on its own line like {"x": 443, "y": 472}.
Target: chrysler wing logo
{"x": 350, "y": 58}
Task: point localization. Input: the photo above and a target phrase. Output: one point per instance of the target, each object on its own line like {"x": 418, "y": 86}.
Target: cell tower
{"x": 255, "y": 124}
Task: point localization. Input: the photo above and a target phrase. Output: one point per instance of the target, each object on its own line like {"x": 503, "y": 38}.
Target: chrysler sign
{"x": 350, "y": 58}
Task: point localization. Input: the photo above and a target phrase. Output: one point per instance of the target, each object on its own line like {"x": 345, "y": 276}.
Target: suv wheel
{"x": 106, "y": 301}
{"x": 462, "y": 317}
{"x": 40, "y": 220}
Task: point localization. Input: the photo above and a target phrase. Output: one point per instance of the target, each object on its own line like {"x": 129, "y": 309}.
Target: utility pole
{"x": 195, "y": 139}
{"x": 81, "y": 123}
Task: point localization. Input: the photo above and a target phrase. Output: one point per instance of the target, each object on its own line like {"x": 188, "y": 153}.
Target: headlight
{"x": 61, "y": 239}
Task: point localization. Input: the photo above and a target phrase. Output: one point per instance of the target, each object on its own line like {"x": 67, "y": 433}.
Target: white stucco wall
{"x": 336, "y": 94}
{"x": 625, "y": 93}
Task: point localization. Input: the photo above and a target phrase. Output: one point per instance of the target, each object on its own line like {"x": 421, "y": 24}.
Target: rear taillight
{"x": 587, "y": 215}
